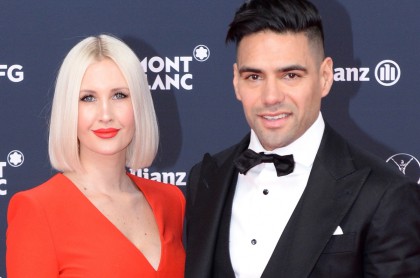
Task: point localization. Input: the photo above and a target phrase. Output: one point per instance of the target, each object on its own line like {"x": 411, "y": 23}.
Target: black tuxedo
{"x": 376, "y": 207}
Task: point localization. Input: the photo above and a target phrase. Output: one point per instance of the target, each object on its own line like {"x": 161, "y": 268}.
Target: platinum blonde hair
{"x": 63, "y": 143}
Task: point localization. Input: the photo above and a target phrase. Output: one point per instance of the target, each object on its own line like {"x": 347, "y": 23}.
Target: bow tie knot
{"x": 284, "y": 164}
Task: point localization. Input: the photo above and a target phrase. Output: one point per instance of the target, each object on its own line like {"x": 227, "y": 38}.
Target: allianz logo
{"x": 387, "y": 73}
{"x": 175, "y": 178}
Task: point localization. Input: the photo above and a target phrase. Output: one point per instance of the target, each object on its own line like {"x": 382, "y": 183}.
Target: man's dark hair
{"x": 279, "y": 16}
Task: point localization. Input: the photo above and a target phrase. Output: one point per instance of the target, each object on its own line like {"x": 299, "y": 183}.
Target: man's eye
{"x": 88, "y": 98}
{"x": 253, "y": 77}
{"x": 119, "y": 95}
{"x": 291, "y": 75}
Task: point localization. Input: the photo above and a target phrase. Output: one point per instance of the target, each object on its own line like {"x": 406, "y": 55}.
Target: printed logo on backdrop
{"x": 201, "y": 53}
{"x": 14, "y": 159}
{"x": 387, "y": 73}
{"x": 175, "y": 178}
{"x": 12, "y": 73}
{"x": 407, "y": 164}
{"x": 173, "y": 73}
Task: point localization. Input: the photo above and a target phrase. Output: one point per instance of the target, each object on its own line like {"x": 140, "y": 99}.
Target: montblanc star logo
{"x": 201, "y": 53}
{"x": 15, "y": 158}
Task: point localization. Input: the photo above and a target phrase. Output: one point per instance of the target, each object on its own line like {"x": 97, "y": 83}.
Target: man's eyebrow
{"x": 292, "y": 68}
{"x": 281, "y": 69}
{"x": 249, "y": 69}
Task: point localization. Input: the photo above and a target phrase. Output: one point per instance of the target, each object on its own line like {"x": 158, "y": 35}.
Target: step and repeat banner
{"x": 374, "y": 101}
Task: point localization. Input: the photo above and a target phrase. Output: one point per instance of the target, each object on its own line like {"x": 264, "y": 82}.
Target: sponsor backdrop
{"x": 374, "y": 101}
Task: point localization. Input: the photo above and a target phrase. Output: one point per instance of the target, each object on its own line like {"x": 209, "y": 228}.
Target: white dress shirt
{"x": 263, "y": 202}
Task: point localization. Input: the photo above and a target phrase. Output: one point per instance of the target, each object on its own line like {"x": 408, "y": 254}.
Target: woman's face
{"x": 105, "y": 116}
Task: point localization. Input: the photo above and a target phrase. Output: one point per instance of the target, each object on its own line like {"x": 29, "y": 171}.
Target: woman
{"x": 93, "y": 219}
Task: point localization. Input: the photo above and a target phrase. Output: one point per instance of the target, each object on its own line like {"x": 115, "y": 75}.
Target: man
{"x": 328, "y": 209}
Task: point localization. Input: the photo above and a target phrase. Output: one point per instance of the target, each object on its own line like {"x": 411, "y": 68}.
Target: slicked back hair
{"x": 279, "y": 16}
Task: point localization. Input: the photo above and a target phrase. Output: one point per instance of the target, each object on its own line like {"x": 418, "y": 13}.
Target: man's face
{"x": 280, "y": 80}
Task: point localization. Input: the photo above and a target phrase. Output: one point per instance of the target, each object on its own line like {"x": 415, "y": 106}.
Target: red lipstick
{"x": 106, "y": 133}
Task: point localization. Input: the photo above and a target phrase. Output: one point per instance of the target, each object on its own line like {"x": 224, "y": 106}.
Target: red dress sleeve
{"x": 30, "y": 249}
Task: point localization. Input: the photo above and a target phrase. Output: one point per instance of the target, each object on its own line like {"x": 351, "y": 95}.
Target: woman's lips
{"x": 106, "y": 133}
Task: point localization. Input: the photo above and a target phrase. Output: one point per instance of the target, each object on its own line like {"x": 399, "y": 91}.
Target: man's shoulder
{"x": 379, "y": 168}
{"x": 221, "y": 156}
{"x": 363, "y": 158}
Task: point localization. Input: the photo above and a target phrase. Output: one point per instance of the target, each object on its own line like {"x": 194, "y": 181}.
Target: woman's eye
{"x": 88, "y": 98}
{"x": 120, "y": 95}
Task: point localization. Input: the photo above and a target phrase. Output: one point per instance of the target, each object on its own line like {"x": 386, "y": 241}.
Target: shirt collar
{"x": 304, "y": 149}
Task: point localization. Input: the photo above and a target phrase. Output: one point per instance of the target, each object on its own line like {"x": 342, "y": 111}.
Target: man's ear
{"x": 236, "y": 80}
{"x": 327, "y": 75}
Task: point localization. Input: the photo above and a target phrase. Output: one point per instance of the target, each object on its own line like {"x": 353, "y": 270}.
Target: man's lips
{"x": 106, "y": 133}
{"x": 274, "y": 120}
{"x": 275, "y": 117}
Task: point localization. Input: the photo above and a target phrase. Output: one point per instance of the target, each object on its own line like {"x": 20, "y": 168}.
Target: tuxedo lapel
{"x": 215, "y": 179}
{"x": 333, "y": 186}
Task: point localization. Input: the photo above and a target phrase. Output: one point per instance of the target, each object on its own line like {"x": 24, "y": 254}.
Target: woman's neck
{"x": 105, "y": 175}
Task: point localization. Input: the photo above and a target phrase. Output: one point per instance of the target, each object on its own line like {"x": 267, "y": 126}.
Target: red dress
{"x": 55, "y": 231}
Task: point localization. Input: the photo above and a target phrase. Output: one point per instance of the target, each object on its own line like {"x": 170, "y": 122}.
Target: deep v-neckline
{"x": 100, "y": 215}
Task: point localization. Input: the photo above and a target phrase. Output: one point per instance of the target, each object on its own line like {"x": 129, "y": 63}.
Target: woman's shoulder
{"x": 47, "y": 191}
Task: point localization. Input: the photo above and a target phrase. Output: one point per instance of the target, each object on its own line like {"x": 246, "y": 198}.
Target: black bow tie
{"x": 248, "y": 159}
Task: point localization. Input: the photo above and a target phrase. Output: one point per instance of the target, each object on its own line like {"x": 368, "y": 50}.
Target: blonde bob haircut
{"x": 63, "y": 143}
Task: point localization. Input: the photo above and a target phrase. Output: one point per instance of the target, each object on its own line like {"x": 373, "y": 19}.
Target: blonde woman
{"x": 93, "y": 219}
